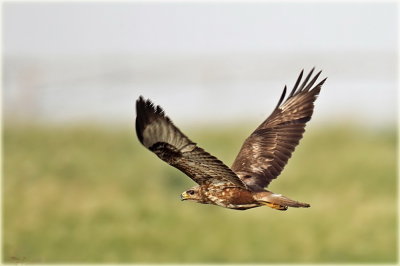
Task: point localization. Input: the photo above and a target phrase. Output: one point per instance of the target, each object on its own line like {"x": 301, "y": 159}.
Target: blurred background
{"x": 79, "y": 188}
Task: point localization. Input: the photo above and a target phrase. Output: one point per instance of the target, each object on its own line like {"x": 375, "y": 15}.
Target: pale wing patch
{"x": 162, "y": 131}
{"x": 157, "y": 132}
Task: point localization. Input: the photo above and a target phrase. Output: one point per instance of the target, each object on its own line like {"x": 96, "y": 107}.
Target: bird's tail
{"x": 279, "y": 202}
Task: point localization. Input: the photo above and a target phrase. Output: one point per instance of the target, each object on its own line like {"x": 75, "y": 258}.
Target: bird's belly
{"x": 231, "y": 197}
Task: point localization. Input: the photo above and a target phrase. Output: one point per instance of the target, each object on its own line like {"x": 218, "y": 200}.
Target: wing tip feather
{"x": 146, "y": 112}
{"x": 305, "y": 86}
{"x": 282, "y": 97}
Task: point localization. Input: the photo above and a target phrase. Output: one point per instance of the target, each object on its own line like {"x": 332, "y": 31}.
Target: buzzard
{"x": 261, "y": 159}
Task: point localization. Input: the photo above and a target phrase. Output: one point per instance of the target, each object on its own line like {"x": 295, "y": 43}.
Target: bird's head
{"x": 191, "y": 194}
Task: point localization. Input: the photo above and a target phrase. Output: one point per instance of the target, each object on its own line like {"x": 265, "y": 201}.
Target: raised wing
{"x": 266, "y": 151}
{"x": 157, "y": 133}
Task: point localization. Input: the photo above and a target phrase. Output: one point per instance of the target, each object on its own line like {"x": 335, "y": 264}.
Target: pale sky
{"x": 79, "y": 60}
{"x": 108, "y": 27}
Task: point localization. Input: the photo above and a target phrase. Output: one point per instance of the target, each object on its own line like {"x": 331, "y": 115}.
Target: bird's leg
{"x": 275, "y": 206}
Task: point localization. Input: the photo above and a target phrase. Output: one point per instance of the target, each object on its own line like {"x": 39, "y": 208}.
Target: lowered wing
{"x": 157, "y": 133}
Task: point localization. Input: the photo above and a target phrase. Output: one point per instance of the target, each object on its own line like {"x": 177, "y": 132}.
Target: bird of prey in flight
{"x": 261, "y": 159}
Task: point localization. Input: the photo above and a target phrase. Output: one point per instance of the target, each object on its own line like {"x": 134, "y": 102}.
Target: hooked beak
{"x": 184, "y": 196}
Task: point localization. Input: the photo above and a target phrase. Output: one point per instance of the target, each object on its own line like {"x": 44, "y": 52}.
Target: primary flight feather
{"x": 261, "y": 159}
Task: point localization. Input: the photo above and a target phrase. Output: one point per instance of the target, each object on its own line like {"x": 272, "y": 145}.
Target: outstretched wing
{"x": 266, "y": 151}
{"x": 157, "y": 133}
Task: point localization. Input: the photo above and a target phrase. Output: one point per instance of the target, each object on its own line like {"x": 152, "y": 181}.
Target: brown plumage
{"x": 261, "y": 159}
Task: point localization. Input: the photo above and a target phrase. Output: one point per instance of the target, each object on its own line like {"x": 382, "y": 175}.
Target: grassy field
{"x": 85, "y": 194}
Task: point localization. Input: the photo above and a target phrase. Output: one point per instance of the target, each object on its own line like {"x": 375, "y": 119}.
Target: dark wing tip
{"x": 321, "y": 83}
{"x": 311, "y": 83}
{"x": 282, "y": 97}
{"x": 146, "y": 112}
{"x": 148, "y": 106}
{"x": 296, "y": 84}
{"x": 140, "y": 117}
{"x": 305, "y": 85}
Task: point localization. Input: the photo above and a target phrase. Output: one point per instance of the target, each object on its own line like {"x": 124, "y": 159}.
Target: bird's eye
{"x": 190, "y": 192}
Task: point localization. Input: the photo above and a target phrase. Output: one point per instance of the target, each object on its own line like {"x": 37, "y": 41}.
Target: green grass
{"x": 85, "y": 194}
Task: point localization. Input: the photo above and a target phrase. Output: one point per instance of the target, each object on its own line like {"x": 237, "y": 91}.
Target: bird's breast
{"x": 229, "y": 197}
